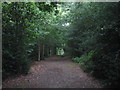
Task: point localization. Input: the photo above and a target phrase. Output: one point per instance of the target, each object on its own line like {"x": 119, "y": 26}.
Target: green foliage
{"x": 94, "y": 39}
{"x": 85, "y": 62}
{"x": 108, "y": 56}
{"x": 24, "y": 25}
{"x": 87, "y": 31}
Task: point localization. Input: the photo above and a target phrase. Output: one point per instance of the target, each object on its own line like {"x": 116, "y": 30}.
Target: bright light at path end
{"x": 66, "y": 24}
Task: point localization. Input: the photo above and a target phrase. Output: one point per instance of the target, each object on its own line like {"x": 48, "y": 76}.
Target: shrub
{"x": 107, "y": 57}
{"x": 85, "y": 61}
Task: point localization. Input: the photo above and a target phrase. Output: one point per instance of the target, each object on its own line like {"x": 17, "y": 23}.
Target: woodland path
{"x": 53, "y": 72}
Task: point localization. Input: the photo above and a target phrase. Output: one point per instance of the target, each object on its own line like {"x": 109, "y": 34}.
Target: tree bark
{"x": 39, "y": 56}
{"x": 43, "y": 52}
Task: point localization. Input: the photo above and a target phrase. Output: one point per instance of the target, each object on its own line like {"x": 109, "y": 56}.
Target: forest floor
{"x": 53, "y": 72}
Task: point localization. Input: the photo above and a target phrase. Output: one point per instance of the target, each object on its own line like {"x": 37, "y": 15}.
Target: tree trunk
{"x": 46, "y": 51}
{"x": 38, "y": 53}
{"x": 54, "y": 50}
{"x": 39, "y": 56}
{"x": 43, "y": 52}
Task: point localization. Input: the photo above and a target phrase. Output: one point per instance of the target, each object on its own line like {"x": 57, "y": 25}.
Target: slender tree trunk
{"x": 54, "y": 51}
{"x": 39, "y": 56}
{"x": 38, "y": 53}
{"x": 47, "y": 51}
{"x": 50, "y": 51}
{"x": 43, "y": 51}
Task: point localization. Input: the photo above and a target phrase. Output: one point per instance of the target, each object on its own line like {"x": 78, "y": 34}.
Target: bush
{"x": 14, "y": 65}
{"x": 107, "y": 57}
{"x": 85, "y": 61}
{"x": 107, "y": 67}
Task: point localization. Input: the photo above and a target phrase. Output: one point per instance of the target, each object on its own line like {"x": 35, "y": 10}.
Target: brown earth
{"x": 53, "y": 72}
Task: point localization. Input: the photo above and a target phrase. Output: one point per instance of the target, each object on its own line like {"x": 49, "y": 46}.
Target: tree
{"x": 94, "y": 38}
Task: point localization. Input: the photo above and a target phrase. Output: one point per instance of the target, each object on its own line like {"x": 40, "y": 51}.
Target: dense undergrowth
{"x": 94, "y": 40}
{"x": 104, "y": 62}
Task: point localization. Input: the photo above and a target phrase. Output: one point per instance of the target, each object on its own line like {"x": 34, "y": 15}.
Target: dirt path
{"x": 54, "y": 72}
